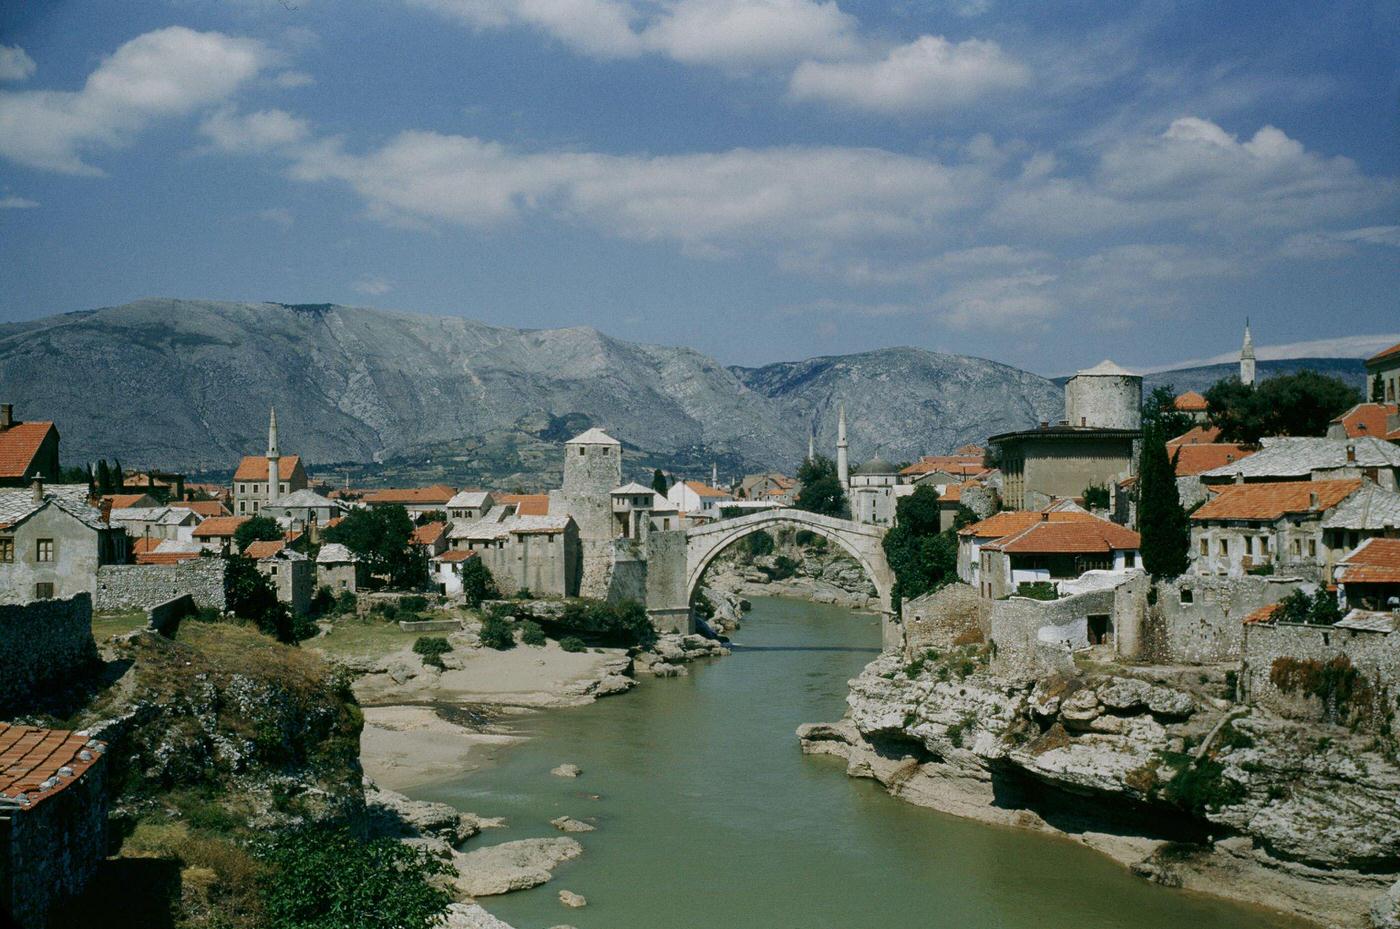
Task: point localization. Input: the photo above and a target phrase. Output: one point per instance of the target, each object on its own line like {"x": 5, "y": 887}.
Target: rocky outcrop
{"x": 1159, "y": 770}
{"x": 518, "y": 865}
{"x": 668, "y": 655}
{"x": 391, "y": 814}
{"x": 813, "y": 570}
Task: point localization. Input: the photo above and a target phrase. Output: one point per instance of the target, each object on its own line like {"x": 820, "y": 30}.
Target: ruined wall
{"x": 1035, "y": 637}
{"x": 629, "y": 573}
{"x": 164, "y": 618}
{"x": 55, "y": 847}
{"x": 45, "y": 644}
{"x": 1196, "y": 619}
{"x": 949, "y": 616}
{"x": 1371, "y": 695}
{"x": 667, "y": 600}
{"x": 139, "y": 587}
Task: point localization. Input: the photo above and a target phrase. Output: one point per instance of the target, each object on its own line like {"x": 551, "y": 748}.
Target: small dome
{"x": 876, "y": 465}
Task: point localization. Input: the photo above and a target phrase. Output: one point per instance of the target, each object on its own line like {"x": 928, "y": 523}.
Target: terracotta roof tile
{"x": 1068, "y": 537}
{"x": 128, "y": 501}
{"x": 455, "y": 555}
{"x": 1375, "y": 561}
{"x": 19, "y": 445}
{"x": 206, "y": 508}
{"x": 1384, "y": 354}
{"x": 165, "y": 557}
{"x": 705, "y": 490}
{"x": 428, "y": 533}
{"x": 1203, "y": 456}
{"x": 39, "y": 763}
{"x": 1195, "y": 435}
{"x": 1272, "y": 500}
{"x": 254, "y": 467}
{"x": 1265, "y": 614}
{"x": 1366, "y": 419}
{"x": 1191, "y": 402}
{"x": 525, "y": 504}
{"x": 219, "y": 527}
{"x": 1000, "y": 525}
{"x": 263, "y": 549}
{"x": 437, "y": 494}
{"x": 957, "y": 465}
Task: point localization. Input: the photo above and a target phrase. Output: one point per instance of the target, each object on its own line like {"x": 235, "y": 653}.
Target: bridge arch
{"x": 862, "y": 542}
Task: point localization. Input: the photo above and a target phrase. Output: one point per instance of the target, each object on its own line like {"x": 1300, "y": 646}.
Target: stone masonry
{"x": 43, "y": 645}
{"x": 140, "y": 587}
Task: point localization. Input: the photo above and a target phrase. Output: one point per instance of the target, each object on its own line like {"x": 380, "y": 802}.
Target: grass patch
{"x": 106, "y": 625}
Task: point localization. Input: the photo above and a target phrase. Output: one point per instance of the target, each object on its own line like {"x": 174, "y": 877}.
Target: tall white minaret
{"x": 843, "y": 470}
{"x": 811, "y": 444}
{"x": 1247, "y": 357}
{"x": 274, "y": 475}
{"x": 714, "y": 474}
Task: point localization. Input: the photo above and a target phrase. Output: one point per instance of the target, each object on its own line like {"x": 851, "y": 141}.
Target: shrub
{"x": 524, "y": 594}
{"x": 531, "y": 633}
{"x": 624, "y": 623}
{"x": 389, "y": 609}
{"x": 432, "y": 648}
{"x": 1096, "y": 497}
{"x": 413, "y": 603}
{"x": 1037, "y": 590}
{"x": 497, "y": 633}
{"x": 1203, "y": 786}
{"x": 782, "y": 568}
{"x": 701, "y": 605}
{"x": 477, "y": 582}
{"x": 322, "y": 602}
{"x": 323, "y": 878}
{"x": 572, "y": 643}
{"x": 759, "y": 543}
{"x": 346, "y": 602}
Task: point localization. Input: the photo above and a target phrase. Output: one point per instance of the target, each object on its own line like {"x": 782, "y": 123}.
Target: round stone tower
{"x": 1104, "y": 397}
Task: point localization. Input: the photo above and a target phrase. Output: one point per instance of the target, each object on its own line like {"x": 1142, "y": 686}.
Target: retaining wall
{"x": 140, "y": 587}
{"x": 43, "y": 645}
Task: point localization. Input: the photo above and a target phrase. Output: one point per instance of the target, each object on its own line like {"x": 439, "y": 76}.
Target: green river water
{"x": 710, "y": 817}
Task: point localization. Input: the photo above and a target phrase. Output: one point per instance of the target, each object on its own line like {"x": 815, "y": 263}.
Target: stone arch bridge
{"x": 703, "y": 543}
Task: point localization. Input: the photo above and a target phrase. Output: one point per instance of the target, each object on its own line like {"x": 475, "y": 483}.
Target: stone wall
{"x": 668, "y": 601}
{"x": 54, "y": 849}
{"x": 140, "y": 587}
{"x": 164, "y": 618}
{"x": 1375, "y": 655}
{"x": 629, "y": 573}
{"x": 1195, "y": 620}
{"x": 939, "y": 620}
{"x": 43, "y": 645}
{"x": 1037, "y": 637}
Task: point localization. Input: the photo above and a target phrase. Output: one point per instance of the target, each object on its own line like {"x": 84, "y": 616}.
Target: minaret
{"x": 1247, "y": 357}
{"x": 811, "y": 444}
{"x": 842, "y": 465}
{"x": 714, "y": 474}
{"x": 274, "y": 476}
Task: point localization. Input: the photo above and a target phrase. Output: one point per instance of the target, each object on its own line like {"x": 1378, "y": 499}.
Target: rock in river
{"x": 511, "y": 866}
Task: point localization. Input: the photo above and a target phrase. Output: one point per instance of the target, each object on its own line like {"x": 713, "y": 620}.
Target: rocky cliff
{"x": 1153, "y": 766}
{"x": 187, "y": 384}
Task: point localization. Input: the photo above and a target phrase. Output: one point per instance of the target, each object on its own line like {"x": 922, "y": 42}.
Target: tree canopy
{"x": 1159, "y": 409}
{"x": 821, "y": 488}
{"x": 1166, "y": 537}
{"x": 380, "y": 536}
{"x": 257, "y": 529}
{"x": 658, "y": 482}
{"x": 1299, "y": 404}
{"x": 921, "y": 557}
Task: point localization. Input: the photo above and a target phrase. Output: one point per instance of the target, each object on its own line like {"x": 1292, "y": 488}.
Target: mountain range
{"x": 386, "y": 397}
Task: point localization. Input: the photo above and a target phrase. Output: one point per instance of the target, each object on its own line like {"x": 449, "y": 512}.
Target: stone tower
{"x": 1247, "y": 357}
{"x": 843, "y": 465}
{"x": 592, "y": 469}
{"x": 274, "y": 457}
{"x": 1104, "y": 397}
{"x": 592, "y": 464}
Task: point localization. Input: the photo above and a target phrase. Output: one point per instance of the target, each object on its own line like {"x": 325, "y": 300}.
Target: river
{"x": 710, "y": 817}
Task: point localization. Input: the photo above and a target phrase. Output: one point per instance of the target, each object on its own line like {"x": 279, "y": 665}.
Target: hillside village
{"x": 1142, "y": 575}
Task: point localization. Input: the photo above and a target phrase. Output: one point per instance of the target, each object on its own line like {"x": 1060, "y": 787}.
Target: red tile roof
{"x": 263, "y": 549}
{"x": 957, "y": 465}
{"x": 705, "y": 490}
{"x": 1000, "y": 525}
{"x": 1366, "y": 419}
{"x": 30, "y": 758}
{"x": 1265, "y": 614}
{"x": 1203, "y": 456}
{"x": 428, "y": 533}
{"x": 127, "y": 501}
{"x": 144, "y": 544}
{"x": 1068, "y": 538}
{"x": 437, "y": 494}
{"x": 1194, "y": 435}
{"x": 205, "y": 508}
{"x": 526, "y": 504}
{"x": 254, "y": 467}
{"x": 1272, "y": 500}
{"x": 165, "y": 557}
{"x": 219, "y": 527}
{"x": 455, "y": 555}
{"x": 1376, "y": 561}
{"x": 1384, "y": 354}
{"x": 1191, "y": 402}
{"x": 19, "y": 446}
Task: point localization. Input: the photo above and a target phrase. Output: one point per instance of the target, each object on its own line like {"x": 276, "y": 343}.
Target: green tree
{"x": 1166, "y": 537}
{"x": 257, "y": 529}
{"x": 325, "y": 878}
{"x": 118, "y": 476}
{"x": 1299, "y": 404}
{"x": 921, "y": 557}
{"x": 658, "y": 482}
{"x": 477, "y": 582}
{"x": 104, "y": 477}
{"x": 380, "y": 537}
{"x": 250, "y": 596}
{"x": 821, "y": 488}
{"x": 1377, "y": 389}
{"x": 1159, "y": 409}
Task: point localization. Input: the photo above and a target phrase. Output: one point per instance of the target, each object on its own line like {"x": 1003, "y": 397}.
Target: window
{"x": 1188, "y": 595}
{"x": 1205, "y": 546}
{"x": 1263, "y": 545}
{"x": 1224, "y": 547}
{"x": 7, "y": 550}
{"x": 344, "y": 582}
{"x": 1297, "y": 548}
{"x": 44, "y": 550}
{"x": 242, "y": 488}
{"x": 1249, "y": 545}
{"x": 1130, "y": 559}
{"x": 580, "y": 451}
{"x": 1312, "y": 548}
{"x": 43, "y": 591}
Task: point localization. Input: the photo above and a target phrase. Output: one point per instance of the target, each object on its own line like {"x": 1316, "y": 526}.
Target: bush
{"x": 1096, "y": 497}
{"x": 524, "y": 594}
{"x": 624, "y": 623}
{"x": 759, "y": 543}
{"x": 413, "y": 603}
{"x": 322, "y": 878}
{"x": 1037, "y": 590}
{"x": 347, "y": 602}
{"x": 572, "y": 643}
{"x": 531, "y": 633}
{"x": 388, "y": 609}
{"x": 477, "y": 582}
{"x": 1203, "y": 786}
{"x": 432, "y": 648}
{"x": 497, "y": 633}
{"x": 322, "y": 602}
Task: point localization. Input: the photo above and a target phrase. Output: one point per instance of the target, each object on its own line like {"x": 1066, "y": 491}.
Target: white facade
{"x": 697, "y": 498}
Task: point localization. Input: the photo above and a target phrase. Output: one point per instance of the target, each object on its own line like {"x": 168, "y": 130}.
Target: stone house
{"x": 52, "y": 543}
{"x": 696, "y": 497}
{"x": 216, "y": 533}
{"x": 632, "y": 506}
{"x": 1276, "y": 526}
{"x": 156, "y": 522}
{"x": 250, "y": 482}
{"x": 1293, "y": 458}
{"x": 540, "y": 553}
{"x": 430, "y": 537}
{"x": 293, "y": 575}
{"x": 1369, "y": 577}
{"x": 27, "y": 450}
{"x": 1369, "y": 513}
{"x": 469, "y": 505}
{"x": 53, "y": 820}
{"x": 872, "y": 492}
{"x": 1385, "y": 365}
{"x": 445, "y": 571}
{"x": 1055, "y": 551}
{"x": 1193, "y": 405}
{"x": 769, "y": 485}
{"x": 340, "y": 569}
{"x": 1379, "y": 420}
{"x": 418, "y": 501}
{"x": 304, "y": 508}
{"x": 972, "y": 537}
{"x": 1197, "y": 451}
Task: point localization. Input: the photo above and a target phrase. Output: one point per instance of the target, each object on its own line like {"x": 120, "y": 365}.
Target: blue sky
{"x": 1045, "y": 183}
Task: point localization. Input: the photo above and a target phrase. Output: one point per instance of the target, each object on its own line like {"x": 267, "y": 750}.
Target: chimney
{"x": 38, "y": 487}
{"x": 1239, "y": 477}
{"x": 1351, "y": 453}
{"x": 1314, "y": 501}
{"x": 1045, "y": 516}
{"x": 7, "y": 415}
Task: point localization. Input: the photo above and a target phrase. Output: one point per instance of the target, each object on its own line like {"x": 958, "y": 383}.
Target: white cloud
{"x": 292, "y": 79}
{"x": 278, "y": 216}
{"x": 15, "y": 64}
{"x": 17, "y": 203}
{"x": 929, "y": 73}
{"x": 1339, "y": 244}
{"x": 1021, "y": 300}
{"x": 601, "y": 28}
{"x": 166, "y": 73}
{"x": 373, "y": 286}
{"x": 265, "y": 130}
{"x": 735, "y": 33}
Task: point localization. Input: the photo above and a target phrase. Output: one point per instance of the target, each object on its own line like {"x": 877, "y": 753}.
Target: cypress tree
{"x": 1377, "y": 390}
{"x": 104, "y": 477}
{"x": 658, "y": 482}
{"x": 1166, "y": 539}
{"x": 118, "y": 479}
